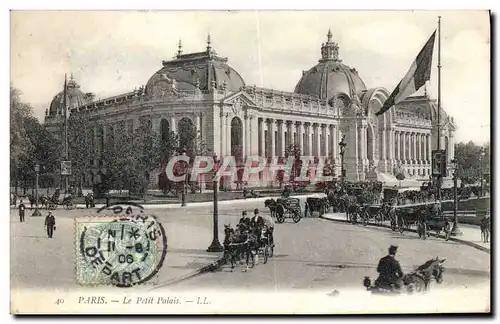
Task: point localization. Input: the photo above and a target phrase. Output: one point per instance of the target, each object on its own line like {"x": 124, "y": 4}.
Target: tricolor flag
{"x": 415, "y": 78}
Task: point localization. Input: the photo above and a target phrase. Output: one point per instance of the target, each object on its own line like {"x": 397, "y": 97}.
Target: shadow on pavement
{"x": 190, "y": 265}
{"x": 192, "y": 251}
{"x": 467, "y": 272}
{"x": 41, "y": 236}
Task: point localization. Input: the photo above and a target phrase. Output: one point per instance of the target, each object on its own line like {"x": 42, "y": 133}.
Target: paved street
{"x": 312, "y": 254}
{"x": 317, "y": 254}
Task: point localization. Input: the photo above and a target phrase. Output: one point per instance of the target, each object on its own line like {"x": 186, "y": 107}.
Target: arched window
{"x": 165, "y": 129}
{"x": 236, "y": 138}
{"x": 187, "y": 134}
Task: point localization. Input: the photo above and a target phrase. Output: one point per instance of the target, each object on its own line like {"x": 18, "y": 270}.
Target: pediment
{"x": 239, "y": 99}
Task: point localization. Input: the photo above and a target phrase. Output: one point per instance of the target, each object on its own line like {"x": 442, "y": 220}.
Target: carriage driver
{"x": 245, "y": 220}
{"x": 390, "y": 270}
{"x": 269, "y": 223}
{"x": 257, "y": 224}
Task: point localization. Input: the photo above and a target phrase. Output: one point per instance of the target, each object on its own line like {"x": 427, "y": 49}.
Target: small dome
{"x": 442, "y": 116}
{"x": 330, "y": 76}
{"x": 198, "y": 70}
{"x": 75, "y": 98}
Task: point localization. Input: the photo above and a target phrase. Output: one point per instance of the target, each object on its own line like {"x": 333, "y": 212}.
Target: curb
{"x": 208, "y": 268}
{"x": 471, "y": 244}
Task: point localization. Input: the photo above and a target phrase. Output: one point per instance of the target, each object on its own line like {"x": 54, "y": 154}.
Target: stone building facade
{"x": 330, "y": 101}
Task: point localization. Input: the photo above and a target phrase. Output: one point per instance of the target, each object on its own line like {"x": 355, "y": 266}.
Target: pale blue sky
{"x": 113, "y": 52}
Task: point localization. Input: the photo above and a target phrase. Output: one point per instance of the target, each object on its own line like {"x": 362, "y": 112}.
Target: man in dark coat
{"x": 389, "y": 270}
{"x": 245, "y": 219}
{"x": 257, "y": 224}
{"x": 50, "y": 223}
{"x": 22, "y": 209}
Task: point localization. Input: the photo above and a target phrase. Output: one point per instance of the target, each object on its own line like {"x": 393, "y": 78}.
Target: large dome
{"x": 330, "y": 77}
{"x": 75, "y": 98}
{"x": 198, "y": 70}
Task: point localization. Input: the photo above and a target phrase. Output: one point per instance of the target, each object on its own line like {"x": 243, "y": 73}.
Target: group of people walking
{"x": 49, "y": 223}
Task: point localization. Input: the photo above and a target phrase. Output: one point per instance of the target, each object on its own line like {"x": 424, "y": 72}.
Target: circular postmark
{"x": 126, "y": 250}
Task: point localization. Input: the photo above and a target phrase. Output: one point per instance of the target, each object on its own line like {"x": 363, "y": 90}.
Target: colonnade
{"x": 412, "y": 147}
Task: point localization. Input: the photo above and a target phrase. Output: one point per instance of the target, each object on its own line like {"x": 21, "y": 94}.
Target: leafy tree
{"x": 46, "y": 151}
{"x": 20, "y": 146}
{"x": 470, "y": 165}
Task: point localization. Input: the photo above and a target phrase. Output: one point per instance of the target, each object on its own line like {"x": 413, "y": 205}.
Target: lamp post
{"x": 342, "y": 145}
{"x": 36, "y": 212}
{"x": 183, "y": 193}
{"x": 481, "y": 157}
{"x": 455, "y": 231}
{"x": 215, "y": 246}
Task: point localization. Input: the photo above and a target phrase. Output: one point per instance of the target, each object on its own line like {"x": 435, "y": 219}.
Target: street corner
{"x": 120, "y": 250}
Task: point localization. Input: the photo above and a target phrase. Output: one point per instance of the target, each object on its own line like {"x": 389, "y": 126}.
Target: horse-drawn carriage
{"x": 284, "y": 208}
{"x": 418, "y": 280}
{"x": 51, "y": 203}
{"x": 288, "y": 208}
{"x": 242, "y": 244}
{"x": 318, "y": 204}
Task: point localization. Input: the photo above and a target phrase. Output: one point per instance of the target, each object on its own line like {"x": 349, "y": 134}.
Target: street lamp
{"x": 215, "y": 246}
{"x": 455, "y": 231}
{"x": 481, "y": 157}
{"x": 36, "y": 212}
{"x": 183, "y": 193}
{"x": 342, "y": 145}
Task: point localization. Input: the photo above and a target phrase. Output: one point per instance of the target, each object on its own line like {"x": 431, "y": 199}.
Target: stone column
{"x": 362, "y": 143}
{"x": 262, "y": 125}
{"x": 300, "y": 137}
{"x": 403, "y": 147}
{"x": 317, "y": 143}
{"x": 351, "y": 158}
{"x": 326, "y": 140}
{"x": 272, "y": 130}
{"x": 173, "y": 125}
{"x": 307, "y": 142}
{"x": 282, "y": 140}
{"x": 429, "y": 148}
{"x": 414, "y": 147}
{"x": 419, "y": 148}
{"x": 227, "y": 136}
{"x": 451, "y": 143}
{"x": 244, "y": 137}
{"x": 384, "y": 148}
{"x": 422, "y": 148}
{"x": 254, "y": 136}
{"x": 393, "y": 147}
{"x": 198, "y": 125}
{"x": 289, "y": 130}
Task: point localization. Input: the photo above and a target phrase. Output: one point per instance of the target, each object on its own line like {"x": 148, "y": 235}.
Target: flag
{"x": 415, "y": 78}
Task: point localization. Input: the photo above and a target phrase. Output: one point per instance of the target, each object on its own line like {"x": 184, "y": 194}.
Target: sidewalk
{"x": 55, "y": 258}
{"x": 471, "y": 235}
{"x": 196, "y": 204}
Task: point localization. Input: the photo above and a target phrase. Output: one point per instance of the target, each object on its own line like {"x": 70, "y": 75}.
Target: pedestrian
{"x": 22, "y": 208}
{"x": 50, "y": 223}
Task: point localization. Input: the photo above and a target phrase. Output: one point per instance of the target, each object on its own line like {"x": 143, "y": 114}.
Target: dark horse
{"x": 351, "y": 207}
{"x": 238, "y": 244}
{"x": 271, "y": 204}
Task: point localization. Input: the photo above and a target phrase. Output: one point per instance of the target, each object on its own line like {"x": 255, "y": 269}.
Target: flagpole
{"x": 65, "y": 130}
{"x": 439, "y": 86}
{"x": 439, "y": 105}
